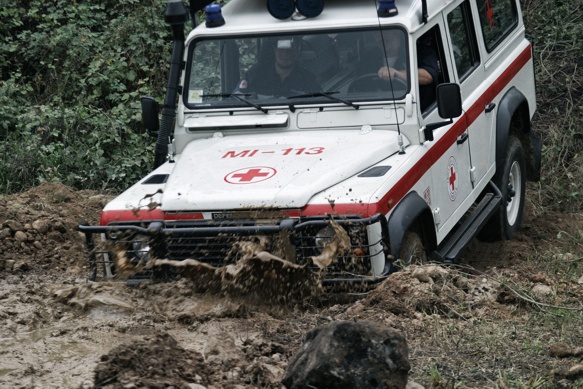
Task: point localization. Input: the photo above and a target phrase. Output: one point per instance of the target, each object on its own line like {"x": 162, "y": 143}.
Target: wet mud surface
{"x": 491, "y": 320}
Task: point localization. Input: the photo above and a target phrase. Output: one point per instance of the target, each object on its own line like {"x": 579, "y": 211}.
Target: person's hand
{"x": 387, "y": 72}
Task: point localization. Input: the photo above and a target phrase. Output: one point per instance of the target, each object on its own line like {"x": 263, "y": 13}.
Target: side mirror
{"x": 150, "y": 114}
{"x": 449, "y": 100}
{"x": 449, "y": 106}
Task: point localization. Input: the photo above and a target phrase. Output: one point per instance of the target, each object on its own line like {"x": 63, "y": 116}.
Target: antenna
{"x": 399, "y": 135}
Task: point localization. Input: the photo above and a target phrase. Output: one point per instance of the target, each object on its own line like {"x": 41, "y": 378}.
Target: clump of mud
{"x": 155, "y": 362}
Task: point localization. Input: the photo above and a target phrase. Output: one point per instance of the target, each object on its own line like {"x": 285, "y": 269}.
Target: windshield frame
{"x": 283, "y": 102}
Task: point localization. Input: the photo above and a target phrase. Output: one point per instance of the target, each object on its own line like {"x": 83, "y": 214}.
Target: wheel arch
{"x": 513, "y": 119}
{"x": 412, "y": 211}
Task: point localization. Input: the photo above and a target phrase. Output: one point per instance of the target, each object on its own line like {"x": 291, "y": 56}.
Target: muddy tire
{"x": 412, "y": 250}
{"x": 511, "y": 181}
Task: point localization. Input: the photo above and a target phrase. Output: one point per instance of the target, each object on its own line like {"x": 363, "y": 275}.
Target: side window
{"x": 497, "y": 18}
{"x": 463, "y": 39}
{"x": 432, "y": 67}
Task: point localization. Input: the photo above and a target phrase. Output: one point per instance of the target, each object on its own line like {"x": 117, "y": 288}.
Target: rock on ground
{"x": 350, "y": 355}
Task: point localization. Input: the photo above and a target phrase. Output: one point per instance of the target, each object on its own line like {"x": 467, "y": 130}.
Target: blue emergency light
{"x": 387, "y": 8}
{"x": 214, "y": 17}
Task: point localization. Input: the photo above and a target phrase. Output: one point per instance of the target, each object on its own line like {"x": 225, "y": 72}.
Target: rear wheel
{"x": 511, "y": 181}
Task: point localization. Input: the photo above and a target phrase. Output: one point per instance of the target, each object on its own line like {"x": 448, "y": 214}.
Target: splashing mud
{"x": 261, "y": 277}
{"x": 257, "y": 274}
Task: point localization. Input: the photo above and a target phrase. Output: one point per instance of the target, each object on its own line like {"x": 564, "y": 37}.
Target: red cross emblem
{"x": 490, "y": 15}
{"x": 452, "y": 178}
{"x": 250, "y": 175}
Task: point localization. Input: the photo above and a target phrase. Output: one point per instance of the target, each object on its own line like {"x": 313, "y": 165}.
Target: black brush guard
{"x": 215, "y": 243}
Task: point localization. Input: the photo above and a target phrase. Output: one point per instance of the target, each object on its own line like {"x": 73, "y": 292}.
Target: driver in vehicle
{"x": 278, "y": 74}
{"x": 388, "y": 59}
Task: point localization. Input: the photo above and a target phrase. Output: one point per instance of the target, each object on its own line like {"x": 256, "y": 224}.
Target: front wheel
{"x": 511, "y": 181}
{"x": 412, "y": 250}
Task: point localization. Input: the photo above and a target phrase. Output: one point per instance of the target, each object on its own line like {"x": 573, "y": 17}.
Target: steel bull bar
{"x": 302, "y": 230}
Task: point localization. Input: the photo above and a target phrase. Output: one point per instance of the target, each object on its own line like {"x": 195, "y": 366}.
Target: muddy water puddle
{"x": 53, "y": 334}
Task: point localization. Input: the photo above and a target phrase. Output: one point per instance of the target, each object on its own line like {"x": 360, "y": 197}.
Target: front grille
{"x": 215, "y": 249}
{"x": 237, "y": 239}
{"x": 356, "y": 261}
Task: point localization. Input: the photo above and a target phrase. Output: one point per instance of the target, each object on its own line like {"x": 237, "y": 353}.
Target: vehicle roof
{"x": 252, "y": 16}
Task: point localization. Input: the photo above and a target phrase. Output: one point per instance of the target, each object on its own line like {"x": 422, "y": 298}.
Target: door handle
{"x": 490, "y": 107}
{"x": 462, "y": 138}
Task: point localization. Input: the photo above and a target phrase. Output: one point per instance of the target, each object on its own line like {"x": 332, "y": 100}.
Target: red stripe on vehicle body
{"x": 130, "y": 215}
{"x": 157, "y": 214}
{"x": 404, "y": 185}
{"x": 145, "y": 215}
{"x": 397, "y": 192}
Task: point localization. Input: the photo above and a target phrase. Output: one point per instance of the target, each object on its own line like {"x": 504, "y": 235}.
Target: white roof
{"x": 252, "y": 16}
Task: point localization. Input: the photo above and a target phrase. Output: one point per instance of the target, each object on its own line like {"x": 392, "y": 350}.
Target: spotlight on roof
{"x": 310, "y": 8}
{"x": 281, "y": 9}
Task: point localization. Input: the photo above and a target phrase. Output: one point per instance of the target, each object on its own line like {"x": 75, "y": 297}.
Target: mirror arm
{"x": 429, "y": 128}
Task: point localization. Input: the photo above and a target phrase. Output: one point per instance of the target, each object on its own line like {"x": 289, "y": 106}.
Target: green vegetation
{"x": 72, "y": 73}
{"x": 555, "y": 28}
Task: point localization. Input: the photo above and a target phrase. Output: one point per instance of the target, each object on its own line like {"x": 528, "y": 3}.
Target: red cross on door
{"x": 452, "y": 178}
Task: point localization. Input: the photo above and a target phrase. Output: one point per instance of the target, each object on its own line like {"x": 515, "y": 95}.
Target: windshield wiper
{"x": 237, "y": 96}
{"x": 328, "y": 95}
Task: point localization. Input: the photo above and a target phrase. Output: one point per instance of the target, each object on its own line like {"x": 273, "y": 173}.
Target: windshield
{"x": 259, "y": 71}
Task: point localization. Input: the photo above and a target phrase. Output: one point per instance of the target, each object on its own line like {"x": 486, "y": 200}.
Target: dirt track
{"x": 492, "y": 322}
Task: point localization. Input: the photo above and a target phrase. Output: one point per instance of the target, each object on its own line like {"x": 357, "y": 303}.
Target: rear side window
{"x": 497, "y": 19}
{"x": 465, "y": 46}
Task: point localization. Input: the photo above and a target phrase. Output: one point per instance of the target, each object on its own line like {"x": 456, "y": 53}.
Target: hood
{"x": 269, "y": 170}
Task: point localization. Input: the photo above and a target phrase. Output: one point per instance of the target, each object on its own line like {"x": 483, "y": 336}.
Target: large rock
{"x": 42, "y": 226}
{"x": 350, "y": 355}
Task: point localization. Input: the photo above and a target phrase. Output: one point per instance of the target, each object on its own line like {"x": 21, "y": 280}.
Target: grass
{"x": 555, "y": 29}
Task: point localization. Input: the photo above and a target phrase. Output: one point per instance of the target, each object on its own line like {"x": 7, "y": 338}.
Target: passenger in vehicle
{"x": 278, "y": 74}
{"x": 388, "y": 59}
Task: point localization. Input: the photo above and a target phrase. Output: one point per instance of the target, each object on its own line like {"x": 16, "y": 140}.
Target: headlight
{"x": 140, "y": 250}
{"x": 322, "y": 238}
{"x": 132, "y": 255}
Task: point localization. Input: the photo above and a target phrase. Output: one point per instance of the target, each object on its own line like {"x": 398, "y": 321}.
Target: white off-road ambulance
{"x": 407, "y": 123}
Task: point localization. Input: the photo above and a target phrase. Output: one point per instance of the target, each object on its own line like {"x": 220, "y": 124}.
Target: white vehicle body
{"x": 371, "y": 165}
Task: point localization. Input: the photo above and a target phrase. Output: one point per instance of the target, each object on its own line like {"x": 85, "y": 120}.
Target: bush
{"x": 71, "y": 74}
{"x": 556, "y": 30}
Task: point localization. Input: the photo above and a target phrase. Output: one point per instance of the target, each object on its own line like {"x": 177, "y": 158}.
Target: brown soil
{"x": 508, "y": 316}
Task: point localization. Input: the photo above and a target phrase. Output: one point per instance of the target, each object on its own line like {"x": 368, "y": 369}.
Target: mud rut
{"x": 58, "y": 331}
